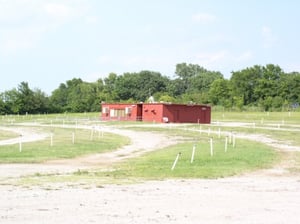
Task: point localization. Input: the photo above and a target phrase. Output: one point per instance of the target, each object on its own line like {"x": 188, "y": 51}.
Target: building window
{"x": 117, "y": 113}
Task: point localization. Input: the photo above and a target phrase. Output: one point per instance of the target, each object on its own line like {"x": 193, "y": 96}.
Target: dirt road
{"x": 141, "y": 142}
{"x": 268, "y": 196}
{"x": 248, "y": 199}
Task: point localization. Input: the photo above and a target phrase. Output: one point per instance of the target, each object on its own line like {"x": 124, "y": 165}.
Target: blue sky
{"x": 47, "y": 42}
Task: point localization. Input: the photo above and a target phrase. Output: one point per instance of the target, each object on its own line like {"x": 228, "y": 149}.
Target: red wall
{"x": 153, "y": 112}
{"x": 178, "y": 113}
{"x": 158, "y": 112}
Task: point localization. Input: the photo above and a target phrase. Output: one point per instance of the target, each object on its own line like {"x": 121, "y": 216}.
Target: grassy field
{"x": 62, "y": 146}
{"x": 244, "y": 157}
{"x": 7, "y": 135}
{"x": 258, "y": 117}
{"x": 157, "y": 165}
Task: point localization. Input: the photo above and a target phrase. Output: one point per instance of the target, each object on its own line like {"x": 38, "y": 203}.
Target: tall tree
{"x": 194, "y": 78}
{"x": 220, "y": 93}
{"x": 59, "y": 99}
{"x": 41, "y": 102}
{"x": 244, "y": 84}
{"x": 100, "y": 96}
{"x": 10, "y": 98}
{"x": 110, "y": 87}
{"x": 186, "y": 72}
{"x": 269, "y": 82}
{"x": 25, "y": 99}
{"x": 2, "y": 104}
{"x": 150, "y": 83}
{"x": 290, "y": 88}
{"x": 139, "y": 86}
{"x": 82, "y": 97}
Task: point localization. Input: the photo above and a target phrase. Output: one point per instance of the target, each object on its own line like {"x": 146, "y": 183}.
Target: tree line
{"x": 261, "y": 87}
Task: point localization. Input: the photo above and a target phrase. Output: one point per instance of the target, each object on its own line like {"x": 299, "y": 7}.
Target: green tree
{"x": 10, "y": 98}
{"x": 139, "y": 86}
{"x": 150, "y": 82}
{"x": 81, "y": 97}
{"x": 290, "y": 87}
{"x": 176, "y": 87}
{"x": 41, "y": 102}
{"x": 25, "y": 99}
{"x": 220, "y": 93}
{"x": 244, "y": 84}
{"x": 166, "y": 98}
{"x": 109, "y": 92}
{"x": 2, "y": 104}
{"x": 74, "y": 96}
{"x": 59, "y": 99}
{"x": 268, "y": 84}
{"x": 194, "y": 79}
{"x": 98, "y": 87}
{"x": 127, "y": 86}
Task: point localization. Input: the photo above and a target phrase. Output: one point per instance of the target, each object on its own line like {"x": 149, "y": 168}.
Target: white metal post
{"x": 51, "y": 139}
{"x": 211, "y": 147}
{"x": 73, "y": 137}
{"x": 193, "y": 153}
{"x": 233, "y": 141}
{"x": 20, "y": 143}
{"x": 175, "y": 161}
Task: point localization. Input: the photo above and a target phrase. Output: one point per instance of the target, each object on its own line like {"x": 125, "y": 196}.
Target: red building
{"x": 157, "y": 112}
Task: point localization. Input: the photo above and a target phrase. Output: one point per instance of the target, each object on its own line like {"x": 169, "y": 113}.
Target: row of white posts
{"x": 228, "y": 140}
{"x": 93, "y": 131}
{"x": 209, "y": 131}
{"x": 63, "y": 123}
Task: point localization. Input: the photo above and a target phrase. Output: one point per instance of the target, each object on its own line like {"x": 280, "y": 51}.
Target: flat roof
{"x": 157, "y": 103}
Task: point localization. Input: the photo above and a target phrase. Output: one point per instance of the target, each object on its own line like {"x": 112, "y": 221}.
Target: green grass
{"x": 257, "y": 117}
{"x": 247, "y": 156}
{"x": 64, "y": 118}
{"x": 288, "y": 136}
{"x": 63, "y": 146}
{"x": 7, "y": 135}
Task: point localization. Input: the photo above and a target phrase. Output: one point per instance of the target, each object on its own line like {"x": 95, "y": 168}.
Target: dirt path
{"x": 260, "y": 197}
{"x": 223, "y": 201}
{"x": 25, "y": 135}
{"x": 141, "y": 142}
{"x": 277, "y": 145}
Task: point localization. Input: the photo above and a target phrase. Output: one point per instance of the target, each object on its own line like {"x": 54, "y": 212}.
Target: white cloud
{"x": 210, "y": 59}
{"x": 292, "y": 67}
{"x": 245, "y": 56}
{"x": 152, "y": 62}
{"x": 268, "y": 37}
{"x": 12, "y": 11}
{"x": 134, "y": 63}
{"x": 94, "y": 76}
{"x": 204, "y": 18}
{"x": 58, "y": 10}
{"x": 104, "y": 59}
{"x": 64, "y": 11}
{"x": 24, "y": 23}
{"x": 91, "y": 19}
{"x": 19, "y": 39}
